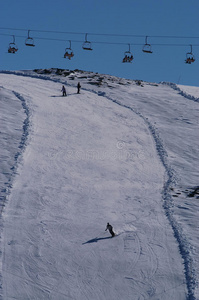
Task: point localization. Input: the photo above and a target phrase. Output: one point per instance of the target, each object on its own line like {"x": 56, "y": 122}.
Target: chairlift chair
{"x": 147, "y": 47}
{"x": 29, "y": 41}
{"x": 68, "y": 52}
{"x": 12, "y": 48}
{"x": 87, "y": 45}
{"x": 128, "y": 56}
{"x": 189, "y": 57}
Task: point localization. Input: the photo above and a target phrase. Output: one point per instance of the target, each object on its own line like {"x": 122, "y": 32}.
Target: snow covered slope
{"x": 120, "y": 152}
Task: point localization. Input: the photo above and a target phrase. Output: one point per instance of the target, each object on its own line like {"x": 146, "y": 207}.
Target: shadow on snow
{"x": 61, "y": 96}
{"x": 95, "y": 240}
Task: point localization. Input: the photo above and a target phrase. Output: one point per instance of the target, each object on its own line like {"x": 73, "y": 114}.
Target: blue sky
{"x": 120, "y": 21}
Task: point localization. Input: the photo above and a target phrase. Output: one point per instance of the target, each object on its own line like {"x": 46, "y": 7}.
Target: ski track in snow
{"x": 182, "y": 241}
{"x": 21, "y": 147}
{"x": 6, "y": 189}
{"x": 132, "y": 241}
{"x": 181, "y": 92}
{"x": 184, "y": 245}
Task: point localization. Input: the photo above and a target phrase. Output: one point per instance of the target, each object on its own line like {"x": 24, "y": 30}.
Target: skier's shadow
{"x": 61, "y": 96}
{"x": 95, "y": 240}
{"x": 57, "y": 96}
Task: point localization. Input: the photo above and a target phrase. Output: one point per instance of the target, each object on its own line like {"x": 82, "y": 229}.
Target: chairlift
{"x": 12, "y": 48}
{"x": 29, "y": 41}
{"x": 189, "y": 57}
{"x": 87, "y": 45}
{"x": 68, "y": 52}
{"x": 147, "y": 47}
{"x": 128, "y": 56}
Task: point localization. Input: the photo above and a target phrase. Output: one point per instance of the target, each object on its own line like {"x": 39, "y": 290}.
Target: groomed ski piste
{"x": 121, "y": 151}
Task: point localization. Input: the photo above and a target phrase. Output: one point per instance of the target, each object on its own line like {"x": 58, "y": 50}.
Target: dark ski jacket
{"x": 109, "y": 227}
{"x": 63, "y": 89}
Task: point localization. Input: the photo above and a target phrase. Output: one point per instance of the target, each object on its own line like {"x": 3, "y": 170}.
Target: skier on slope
{"x": 63, "y": 90}
{"x": 78, "y": 87}
{"x": 110, "y": 228}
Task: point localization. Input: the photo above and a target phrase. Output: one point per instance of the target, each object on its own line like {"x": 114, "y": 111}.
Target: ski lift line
{"x": 43, "y": 38}
{"x": 67, "y": 32}
{"x": 102, "y": 34}
{"x": 63, "y": 40}
{"x": 100, "y": 42}
{"x": 18, "y": 36}
{"x": 44, "y": 31}
{"x": 174, "y": 45}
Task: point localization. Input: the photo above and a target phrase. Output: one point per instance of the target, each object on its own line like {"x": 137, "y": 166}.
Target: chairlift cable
{"x": 103, "y": 34}
{"x": 99, "y": 42}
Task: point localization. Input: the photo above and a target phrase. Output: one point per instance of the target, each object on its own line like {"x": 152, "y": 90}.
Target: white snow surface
{"x": 118, "y": 152}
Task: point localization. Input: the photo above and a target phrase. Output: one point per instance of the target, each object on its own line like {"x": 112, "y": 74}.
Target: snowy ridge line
{"x": 21, "y": 148}
{"x": 53, "y": 77}
{"x": 183, "y": 244}
{"x": 41, "y": 76}
{"x": 184, "y": 94}
{"x": 30, "y": 74}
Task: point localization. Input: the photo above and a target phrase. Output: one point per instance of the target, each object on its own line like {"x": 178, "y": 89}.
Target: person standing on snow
{"x": 110, "y": 228}
{"x": 78, "y": 88}
{"x": 63, "y": 90}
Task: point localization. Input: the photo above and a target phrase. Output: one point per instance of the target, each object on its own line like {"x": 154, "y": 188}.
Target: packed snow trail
{"x": 172, "y": 117}
{"x": 11, "y": 139}
{"x": 88, "y": 161}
